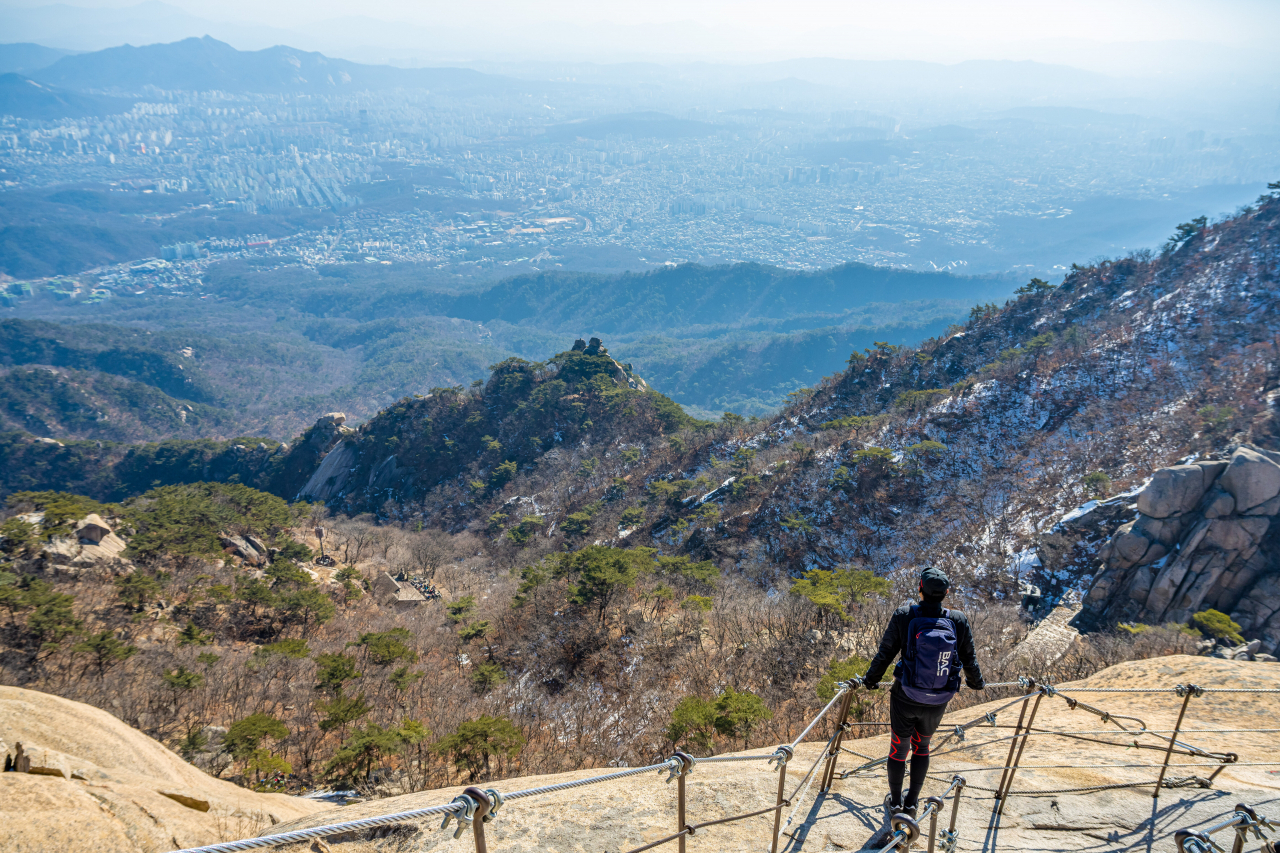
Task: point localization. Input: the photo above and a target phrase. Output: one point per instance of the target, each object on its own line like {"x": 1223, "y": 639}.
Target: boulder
{"x": 1174, "y": 491}
{"x": 1163, "y": 530}
{"x": 331, "y": 477}
{"x": 109, "y": 788}
{"x": 240, "y": 548}
{"x": 1127, "y": 547}
{"x": 1213, "y": 469}
{"x": 1218, "y": 503}
{"x": 1270, "y": 633}
{"x": 1235, "y": 534}
{"x": 60, "y": 551}
{"x": 1140, "y": 584}
{"x": 327, "y": 430}
{"x": 257, "y": 544}
{"x": 1206, "y": 567}
{"x": 1170, "y": 578}
{"x": 1251, "y": 478}
{"x": 1239, "y": 577}
{"x": 92, "y": 529}
{"x": 1259, "y": 606}
{"x": 1271, "y": 507}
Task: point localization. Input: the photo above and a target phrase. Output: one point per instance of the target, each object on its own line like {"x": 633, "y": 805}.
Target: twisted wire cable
{"x": 321, "y": 831}
{"x": 594, "y": 780}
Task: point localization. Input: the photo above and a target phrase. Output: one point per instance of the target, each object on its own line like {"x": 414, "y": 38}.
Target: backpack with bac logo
{"x": 929, "y": 671}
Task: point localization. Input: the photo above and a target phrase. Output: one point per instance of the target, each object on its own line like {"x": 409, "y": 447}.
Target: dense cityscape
{"x": 504, "y": 180}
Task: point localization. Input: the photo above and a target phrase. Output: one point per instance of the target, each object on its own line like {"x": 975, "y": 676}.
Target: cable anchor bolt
{"x": 781, "y": 756}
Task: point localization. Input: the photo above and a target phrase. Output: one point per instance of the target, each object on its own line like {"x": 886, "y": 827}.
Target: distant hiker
{"x": 935, "y": 643}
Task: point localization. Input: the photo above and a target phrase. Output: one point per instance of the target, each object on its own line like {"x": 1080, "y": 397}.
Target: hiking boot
{"x": 909, "y": 811}
{"x": 890, "y": 807}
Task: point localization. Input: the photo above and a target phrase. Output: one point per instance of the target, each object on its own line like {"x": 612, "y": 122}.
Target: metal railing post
{"x": 828, "y": 774}
{"x": 935, "y": 803}
{"x": 1187, "y": 691}
{"x": 949, "y": 840}
{"x": 783, "y": 755}
{"x": 477, "y": 824}
{"x": 686, "y": 765}
{"x": 1013, "y": 744}
{"x": 1013, "y": 769}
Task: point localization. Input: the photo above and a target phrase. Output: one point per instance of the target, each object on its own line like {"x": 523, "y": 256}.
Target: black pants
{"x": 913, "y": 725}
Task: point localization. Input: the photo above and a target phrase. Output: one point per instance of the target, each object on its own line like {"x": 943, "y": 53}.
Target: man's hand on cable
{"x": 871, "y": 685}
{"x": 980, "y": 684}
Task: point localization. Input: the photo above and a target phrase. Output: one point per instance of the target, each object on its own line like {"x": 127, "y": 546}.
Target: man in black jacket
{"x": 913, "y": 722}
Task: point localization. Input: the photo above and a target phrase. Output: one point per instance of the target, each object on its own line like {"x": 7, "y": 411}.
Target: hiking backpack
{"x": 929, "y": 671}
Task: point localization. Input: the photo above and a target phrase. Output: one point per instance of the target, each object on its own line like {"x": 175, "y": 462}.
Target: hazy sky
{"x": 1161, "y": 35}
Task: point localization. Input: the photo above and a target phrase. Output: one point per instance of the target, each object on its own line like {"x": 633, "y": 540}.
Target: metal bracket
{"x": 904, "y": 823}
{"x": 1183, "y": 689}
{"x": 949, "y": 840}
{"x": 781, "y": 756}
{"x": 959, "y": 733}
{"x": 465, "y": 818}
{"x": 683, "y": 765}
{"x": 990, "y": 717}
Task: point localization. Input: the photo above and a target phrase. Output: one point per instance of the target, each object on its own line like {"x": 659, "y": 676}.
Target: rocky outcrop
{"x": 330, "y": 479}
{"x": 250, "y": 549}
{"x": 94, "y": 545}
{"x": 93, "y": 783}
{"x": 1202, "y": 537}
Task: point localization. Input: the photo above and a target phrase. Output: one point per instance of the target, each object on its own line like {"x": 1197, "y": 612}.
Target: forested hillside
{"x": 691, "y": 296}
{"x": 275, "y": 342}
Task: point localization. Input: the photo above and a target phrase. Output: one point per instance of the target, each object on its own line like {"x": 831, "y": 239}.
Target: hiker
{"x": 935, "y": 643}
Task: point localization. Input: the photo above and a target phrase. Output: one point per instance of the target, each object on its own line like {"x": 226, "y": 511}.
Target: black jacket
{"x": 895, "y": 640}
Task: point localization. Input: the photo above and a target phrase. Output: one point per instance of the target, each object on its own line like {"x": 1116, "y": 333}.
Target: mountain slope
{"x": 205, "y": 63}
{"x": 692, "y": 296}
{"x": 25, "y": 57}
{"x": 963, "y": 452}
{"x": 479, "y": 440}
{"x": 1129, "y": 365}
{"x": 25, "y": 98}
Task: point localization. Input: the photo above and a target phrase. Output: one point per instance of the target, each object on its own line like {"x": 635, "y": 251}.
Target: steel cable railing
{"x": 476, "y": 807}
{"x": 1243, "y": 820}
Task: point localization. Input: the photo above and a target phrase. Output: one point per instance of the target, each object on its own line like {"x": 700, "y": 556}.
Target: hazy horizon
{"x": 1140, "y": 38}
